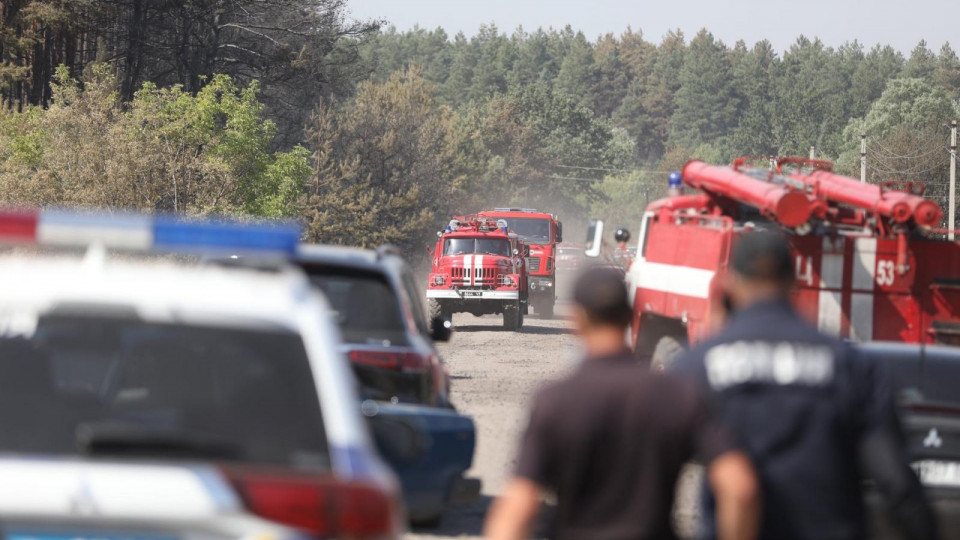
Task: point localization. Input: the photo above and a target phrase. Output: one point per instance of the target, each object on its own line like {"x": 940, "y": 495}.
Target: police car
{"x": 153, "y": 400}
{"x": 925, "y": 379}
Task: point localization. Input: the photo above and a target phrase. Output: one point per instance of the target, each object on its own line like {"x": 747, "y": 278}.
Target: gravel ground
{"x": 494, "y": 376}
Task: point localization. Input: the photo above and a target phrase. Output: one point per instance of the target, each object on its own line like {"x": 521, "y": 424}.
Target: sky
{"x": 900, "y": 23}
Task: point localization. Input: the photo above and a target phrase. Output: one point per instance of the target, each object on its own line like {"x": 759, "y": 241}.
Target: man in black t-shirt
{"x": 812, "y": 414}
{"x": 610, "y": 441}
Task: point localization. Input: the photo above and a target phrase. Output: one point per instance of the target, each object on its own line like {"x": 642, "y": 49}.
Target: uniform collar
{"x": 623, "y": 355}
{"x": 764, "y": 308}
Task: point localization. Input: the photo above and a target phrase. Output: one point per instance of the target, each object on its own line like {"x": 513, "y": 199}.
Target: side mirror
{"x": 594, "y": 238}
{"x": 559, "y": 231}
{"x": 397, "y": 441}
{"x": 622, "y": 236}
{"x": 516, "y": 251}
{"x": 441, "y": 328}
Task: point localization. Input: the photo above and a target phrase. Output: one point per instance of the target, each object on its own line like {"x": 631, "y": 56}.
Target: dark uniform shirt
{"x": 610, "y": 440}
{"x": 802, "y": 404}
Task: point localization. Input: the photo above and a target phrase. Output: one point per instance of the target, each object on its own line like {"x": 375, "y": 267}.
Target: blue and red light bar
{"x": 143, "y": 232}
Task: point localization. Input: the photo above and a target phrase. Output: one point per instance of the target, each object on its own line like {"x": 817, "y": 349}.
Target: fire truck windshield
{"x": 485, "y": 246}
{"x": 534, "y": 230}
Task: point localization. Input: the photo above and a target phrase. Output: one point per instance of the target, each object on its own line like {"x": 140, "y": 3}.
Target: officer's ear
{"x": 733, "y": 290}
{"x": 581, "y": 321}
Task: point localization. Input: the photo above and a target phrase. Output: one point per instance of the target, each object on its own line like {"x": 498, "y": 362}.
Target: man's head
{"x": 602, "y": 308}
{"x": 761, "y": 268}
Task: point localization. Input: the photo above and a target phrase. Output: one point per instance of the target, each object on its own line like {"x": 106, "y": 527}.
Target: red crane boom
{"x": 896, "y": 205}
{"x": 789, "y": 206}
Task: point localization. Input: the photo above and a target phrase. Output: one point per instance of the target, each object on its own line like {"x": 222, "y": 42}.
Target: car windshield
{"x": 482, "y": 246}
{"x": 366, "y": 306}
{"x": 152, "y": 388}
{"x": 532, "y": 230}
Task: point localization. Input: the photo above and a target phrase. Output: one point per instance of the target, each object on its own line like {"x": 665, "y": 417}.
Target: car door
{"x": 429, "y": 448}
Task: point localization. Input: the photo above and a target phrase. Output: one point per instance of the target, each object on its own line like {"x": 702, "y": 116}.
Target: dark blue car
{"x": 404, "y": 383}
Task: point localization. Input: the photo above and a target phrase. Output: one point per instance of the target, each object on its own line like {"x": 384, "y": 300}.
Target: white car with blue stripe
{"x": 159, "y": 400}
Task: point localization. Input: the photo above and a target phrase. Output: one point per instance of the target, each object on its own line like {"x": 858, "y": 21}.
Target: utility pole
{"x": 813, "y": 152}
{"x": 952, "y": 224}
{"x": 863, "y": 157}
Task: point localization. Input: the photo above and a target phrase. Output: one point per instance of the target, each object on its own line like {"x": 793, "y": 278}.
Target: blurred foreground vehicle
{"x": 925, "y": 379}
{"x": 146, "y": 400}
{"x": 390, "y": 343}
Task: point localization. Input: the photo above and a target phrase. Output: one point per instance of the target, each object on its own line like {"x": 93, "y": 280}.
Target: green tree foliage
{"x": 166, "y": 150}
{"x": 704, "y": 109}
{"x": 392, "y": 165}
{"x": 381, "y": 174}
{"x": 907, "y": 129}
{"x": 298, "y": 50}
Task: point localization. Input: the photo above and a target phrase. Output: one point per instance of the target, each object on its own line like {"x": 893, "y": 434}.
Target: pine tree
{"x": 705, "y": 103}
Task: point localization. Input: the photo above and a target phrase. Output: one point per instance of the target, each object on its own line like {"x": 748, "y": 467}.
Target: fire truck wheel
{"x": 512, "y": 317}
{"x": 436, "y": 310}
{"x": 666, "y": 351}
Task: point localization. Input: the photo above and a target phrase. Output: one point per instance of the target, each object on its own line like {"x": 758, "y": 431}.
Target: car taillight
{"x": 387, "y": 359}
{"x": 319, "y": 505}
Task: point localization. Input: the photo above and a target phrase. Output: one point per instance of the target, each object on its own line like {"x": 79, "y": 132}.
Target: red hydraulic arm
{"x": 790, "y": 207}
{"x": 895, "y": 205}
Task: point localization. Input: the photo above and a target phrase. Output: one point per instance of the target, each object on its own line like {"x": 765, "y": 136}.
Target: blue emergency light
{"x": 675, "y": 180}
{"x": 141, "y": 232}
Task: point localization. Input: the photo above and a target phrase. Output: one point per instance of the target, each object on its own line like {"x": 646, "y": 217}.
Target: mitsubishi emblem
{"x": 933, "y": 439}
{"x": 82, "y": 502}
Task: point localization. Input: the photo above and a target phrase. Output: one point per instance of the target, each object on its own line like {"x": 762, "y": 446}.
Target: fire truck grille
{"x": 533, "y": 264}
{"x": 482, "y": 277}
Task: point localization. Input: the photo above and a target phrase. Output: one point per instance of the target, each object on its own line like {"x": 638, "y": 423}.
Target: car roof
{"x": 896, "y": 348}
{"x": 366, "y": 259}
{"x": 176, "y": 291}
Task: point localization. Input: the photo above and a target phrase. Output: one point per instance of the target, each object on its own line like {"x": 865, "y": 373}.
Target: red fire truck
{"x": 871, "y": 264}
{"x": 541, "y": 232}
{"x": 478, "y": 268}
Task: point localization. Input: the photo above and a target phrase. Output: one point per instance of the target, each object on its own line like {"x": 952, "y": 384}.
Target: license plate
{"x": 938, "y": 473}
{"x": 471, "y": 293}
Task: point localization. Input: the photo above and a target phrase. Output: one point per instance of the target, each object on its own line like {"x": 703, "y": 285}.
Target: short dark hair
{"x": 602, "y": 294}
{"x": 764, "y": 256}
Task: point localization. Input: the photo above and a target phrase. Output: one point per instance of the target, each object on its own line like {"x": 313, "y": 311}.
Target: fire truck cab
{"x": 541, "y": 232}
{"x": 870, "y": 263}
{"x": 479, "y": 268}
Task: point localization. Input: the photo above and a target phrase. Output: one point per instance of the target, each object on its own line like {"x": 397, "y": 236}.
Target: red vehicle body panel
{"x": 545, "y": 252}
{"x": 858, "y": 283}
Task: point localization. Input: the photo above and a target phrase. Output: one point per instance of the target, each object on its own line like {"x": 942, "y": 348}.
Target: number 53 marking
{"x": 885, "y": 273}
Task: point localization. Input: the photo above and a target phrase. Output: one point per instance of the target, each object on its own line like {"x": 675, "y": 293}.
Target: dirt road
{"x": 494, "y": 375}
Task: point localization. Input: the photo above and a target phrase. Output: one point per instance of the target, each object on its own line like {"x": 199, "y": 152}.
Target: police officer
{"x": 810, "y": 413}
{"x": 611, "y": 438}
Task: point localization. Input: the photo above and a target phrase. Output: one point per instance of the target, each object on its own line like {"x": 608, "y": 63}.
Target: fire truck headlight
{"x": 507, "y": 281}
{"x": 438, "y": 280}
